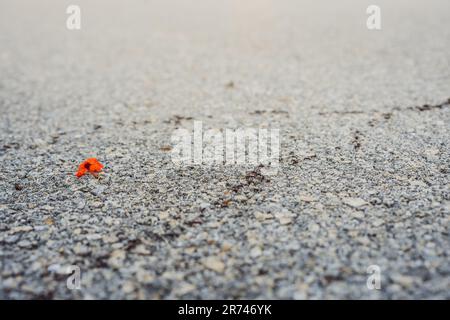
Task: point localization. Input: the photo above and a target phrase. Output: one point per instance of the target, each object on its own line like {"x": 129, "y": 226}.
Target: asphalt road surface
{"x": 363, "y": 177}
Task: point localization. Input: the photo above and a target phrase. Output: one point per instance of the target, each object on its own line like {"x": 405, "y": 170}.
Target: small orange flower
{"x": 90, "y": 165}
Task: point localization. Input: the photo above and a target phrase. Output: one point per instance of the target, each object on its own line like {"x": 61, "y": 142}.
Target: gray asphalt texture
{"x": 364, "y": 165}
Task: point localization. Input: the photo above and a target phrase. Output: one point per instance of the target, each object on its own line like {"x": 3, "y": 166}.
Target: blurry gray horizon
{"x": 363, "y": 175}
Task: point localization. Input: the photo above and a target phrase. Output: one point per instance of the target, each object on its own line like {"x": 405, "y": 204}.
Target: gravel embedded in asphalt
{"x": 364, "y": 156}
